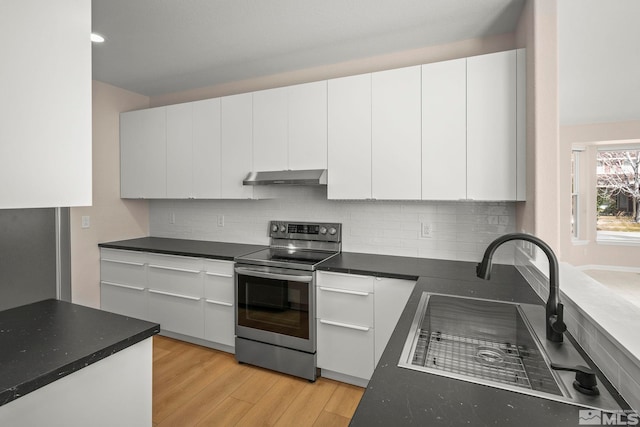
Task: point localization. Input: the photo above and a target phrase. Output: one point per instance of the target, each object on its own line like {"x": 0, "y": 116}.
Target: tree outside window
{"x": 618, "y": 184}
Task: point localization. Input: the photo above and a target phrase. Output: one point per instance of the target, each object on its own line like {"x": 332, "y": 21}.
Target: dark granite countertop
{"x": 398, "y": 396}
{"x": 47, "y": 340}
{"x": 184, "y": 247}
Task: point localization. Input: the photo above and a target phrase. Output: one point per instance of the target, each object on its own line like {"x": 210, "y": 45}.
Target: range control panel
{"x": 323, "y": 231}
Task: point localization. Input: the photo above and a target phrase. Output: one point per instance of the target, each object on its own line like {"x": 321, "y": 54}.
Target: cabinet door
{"x": 270, "y": 147}
{"x": 349, "y": 138}
{"x": 219, "y": 319}
{"x": 182, "y": 314}
{"x": 308, "y": 126}
{"x": 236, "y": 143}
{"x": 143, "y": 153}
{"x": 206, "y": 149}
{"x": 347, "y": 349}
{"x": 396, "y": 136}
{"x": 491, "y": 126}
{"x": 179, "y": 150}
{"x": 444, "y": 130}
{"x": 391, "y": 296}
{"x": 521, "y": 125}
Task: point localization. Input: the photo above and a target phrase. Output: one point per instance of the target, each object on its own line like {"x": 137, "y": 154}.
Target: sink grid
{"x": 478, "y": 358}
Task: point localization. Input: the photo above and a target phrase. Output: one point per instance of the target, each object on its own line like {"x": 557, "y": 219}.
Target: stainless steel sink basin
{"x": 494, "y": 343}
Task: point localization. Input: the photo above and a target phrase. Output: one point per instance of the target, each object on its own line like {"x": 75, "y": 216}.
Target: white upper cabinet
{"x": 349, "y": 150}
{"x": 521, "y": 90}
{"x": 179, "y": 150}
{"x": 444, "y": 130}
{"x": 236, "y": 146}
{"x": 396, "y": 140}
{"x": 308, "y": 126}
{"x": 290, "y": 127}
{"x": 143, "y": 153}
{"x": 491, "y": 126}
{"x": 206, "y": 149}
{"x": 45, "y": 82}
{"x": 270, "y": 140}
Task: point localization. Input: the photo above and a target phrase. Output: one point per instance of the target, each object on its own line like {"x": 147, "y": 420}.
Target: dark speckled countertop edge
{"x": 40, "y": 329}
{"x": 184, "y": 247}
{"x": 34, "y": 384}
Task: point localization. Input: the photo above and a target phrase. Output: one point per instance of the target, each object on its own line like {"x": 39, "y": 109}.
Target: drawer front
{"x": 218, "y": 281}
{"x": 177, "y": 275}
{"x": 219, "y": 324}
{"x": 123, "y": 267}
{"x": 223, "y": 268}
{"x": 352, "y": 282}
{"x": 123, "y": 299}
{"x": 346, "y": 350}
{"x": 346, "y": 306}
{"x": 177, "y": 313}
{"x": 218, "y": 288}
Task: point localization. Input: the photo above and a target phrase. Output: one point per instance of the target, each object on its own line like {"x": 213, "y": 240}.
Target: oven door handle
{"x": 265, "y": 275}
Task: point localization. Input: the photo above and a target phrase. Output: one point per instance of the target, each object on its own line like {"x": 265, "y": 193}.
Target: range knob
{"x": 274, "y": 228}
{"x": 323, "y": 230}
{"x": 332, "y": 231}
{"x": 282, "y": 228}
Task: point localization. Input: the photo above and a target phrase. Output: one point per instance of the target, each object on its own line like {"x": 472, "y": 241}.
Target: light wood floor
{"x": 198, "y": 386}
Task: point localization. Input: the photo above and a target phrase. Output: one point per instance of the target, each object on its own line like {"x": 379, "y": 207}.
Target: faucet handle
{"x": 585, "y": 381}
{"x": 557, "y": 320}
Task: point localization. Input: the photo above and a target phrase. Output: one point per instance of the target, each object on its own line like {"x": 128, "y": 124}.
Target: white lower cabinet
{"x": 219, "y": 321}
{"x": 188, "y": 296}
{"x": 123, "y": 282}
{"x": 355, "y": 322}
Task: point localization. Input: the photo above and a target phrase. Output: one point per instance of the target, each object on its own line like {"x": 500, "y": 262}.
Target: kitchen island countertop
{"x": 48, "y": 340}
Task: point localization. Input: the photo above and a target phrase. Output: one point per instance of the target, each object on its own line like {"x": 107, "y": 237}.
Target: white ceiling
{"x": 161, "y": 46}
{"x": 599, "y": 61}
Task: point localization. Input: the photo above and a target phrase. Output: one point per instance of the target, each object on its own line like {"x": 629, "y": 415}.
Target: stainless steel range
{"x": 276, "y": 298}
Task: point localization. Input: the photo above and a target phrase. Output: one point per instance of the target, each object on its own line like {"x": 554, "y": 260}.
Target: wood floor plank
{"x": 205, "y": 401}
{"x": 267, "y": 411}
{"x": 195, "y": 385}
{"x": 256, "y": 386}
{"x": 227, "y": 413}
{"x": 329, "y": 419}
{"x": 344, "y": 400}
{"x": 307, "y": 406}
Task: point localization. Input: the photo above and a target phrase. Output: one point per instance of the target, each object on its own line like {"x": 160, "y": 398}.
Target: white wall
{"x": 111, "y": 218}
{"x": 461, "y": 230}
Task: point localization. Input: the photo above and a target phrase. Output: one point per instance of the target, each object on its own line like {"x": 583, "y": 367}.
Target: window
{"x": 618, "y": 195}
{"x": 575, "y": 193}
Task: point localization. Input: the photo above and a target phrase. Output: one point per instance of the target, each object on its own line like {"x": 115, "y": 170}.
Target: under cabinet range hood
{"x": 287, "y": 177}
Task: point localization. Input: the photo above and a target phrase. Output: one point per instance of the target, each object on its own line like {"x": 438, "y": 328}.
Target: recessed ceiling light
{"x": 96, "y": 38}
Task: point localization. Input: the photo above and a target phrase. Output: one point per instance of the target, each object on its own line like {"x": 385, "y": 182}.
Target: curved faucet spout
{"x": 554, "y": 309}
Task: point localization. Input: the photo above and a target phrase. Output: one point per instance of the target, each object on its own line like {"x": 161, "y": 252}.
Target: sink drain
{"x": 490, "y": 356}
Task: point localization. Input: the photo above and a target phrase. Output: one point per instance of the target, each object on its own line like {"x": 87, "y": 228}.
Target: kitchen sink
{"x": 494, "y": 343}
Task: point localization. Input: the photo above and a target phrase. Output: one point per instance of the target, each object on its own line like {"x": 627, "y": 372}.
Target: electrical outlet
{"x": 426, "y": 230}
{"x": 172, "y": 218}
{"x": 86, "y": 221}
{"x": 220, "y": 220}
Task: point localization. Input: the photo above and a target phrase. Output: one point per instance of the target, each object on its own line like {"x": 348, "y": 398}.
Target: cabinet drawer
{"x": 346, "y": 350}
{"x": 179, "y": 275}
{"x": 182, "y": 314}
{"x": 123, "y": 299}
{"x": 219, "y": 268}
{"x": 346, "y": 306}
{"x": 123, "y": 267}
{"x": 219, "y": 323}
{"x": 351, "y": 282}
{"x": 218, "y": 281}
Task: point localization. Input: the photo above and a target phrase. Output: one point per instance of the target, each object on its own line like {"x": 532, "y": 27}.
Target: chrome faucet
{"x": 554, "y": 312}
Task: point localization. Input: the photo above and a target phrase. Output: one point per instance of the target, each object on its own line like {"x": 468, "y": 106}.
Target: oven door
{"x": 276, "y": 306}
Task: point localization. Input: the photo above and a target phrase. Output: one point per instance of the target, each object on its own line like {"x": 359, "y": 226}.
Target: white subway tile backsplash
{"x": 460, "y": 230}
